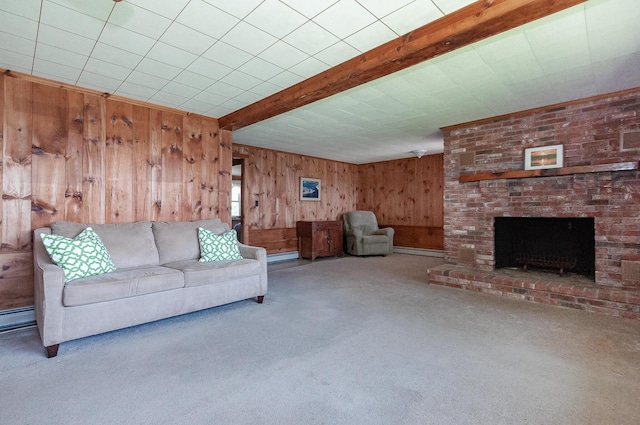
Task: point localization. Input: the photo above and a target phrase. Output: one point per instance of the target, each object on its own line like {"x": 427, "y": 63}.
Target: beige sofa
{"x": 158, "y": 276}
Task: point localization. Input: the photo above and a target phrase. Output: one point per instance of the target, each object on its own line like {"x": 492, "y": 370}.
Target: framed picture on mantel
{"x": 543, "y": 157}
{"x": 310, "y": 189}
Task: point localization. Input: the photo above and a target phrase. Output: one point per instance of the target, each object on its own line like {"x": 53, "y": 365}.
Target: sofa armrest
{"x": 260, "y": 254}
{"x": 48, "y": 280}
{"x": 253, "y": 252}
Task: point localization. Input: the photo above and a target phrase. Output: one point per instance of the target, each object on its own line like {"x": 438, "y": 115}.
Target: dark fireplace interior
{"x": 563, "y": 245}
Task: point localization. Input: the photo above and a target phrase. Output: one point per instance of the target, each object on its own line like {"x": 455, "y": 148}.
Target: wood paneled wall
{"x": 406, "y": 194}
{"x": 78, "y": 156}
{"x": 272, "y": 178}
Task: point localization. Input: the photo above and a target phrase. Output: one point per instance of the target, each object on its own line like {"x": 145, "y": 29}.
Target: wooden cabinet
{"x": 319, "y": 238}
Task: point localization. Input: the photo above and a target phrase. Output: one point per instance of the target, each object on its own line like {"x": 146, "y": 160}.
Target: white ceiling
{"x": 216, "y": 56}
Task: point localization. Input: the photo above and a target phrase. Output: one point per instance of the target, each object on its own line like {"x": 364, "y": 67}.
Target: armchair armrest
{"x": 387, "y": 231}
{"x": 357, "y": 233}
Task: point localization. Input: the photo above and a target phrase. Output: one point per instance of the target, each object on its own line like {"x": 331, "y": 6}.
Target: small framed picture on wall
{"x": 310, "y": 189}
{"x": 543, "y": 157}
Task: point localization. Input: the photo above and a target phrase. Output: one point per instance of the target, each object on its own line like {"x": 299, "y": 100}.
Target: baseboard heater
{"x": 15, "y": 318}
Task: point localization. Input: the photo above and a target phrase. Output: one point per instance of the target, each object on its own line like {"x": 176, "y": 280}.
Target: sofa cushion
{"x": 121, "y": 283}
{"x": 218, "y": 247}
{"x": 85, "y": 255}
{"x": 178, "y": 240}
{"x": 129, "y": 244}
{"x": 198, "y": 273}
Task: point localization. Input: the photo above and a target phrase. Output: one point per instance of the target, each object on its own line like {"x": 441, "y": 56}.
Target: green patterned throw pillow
{"x": 218, "y": 247}
{"x": 85, "y": 255}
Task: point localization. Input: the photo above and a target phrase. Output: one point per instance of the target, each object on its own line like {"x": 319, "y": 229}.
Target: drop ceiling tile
{"x": 288, "y": 19}
{"x": 224, "y": 89}
{"x": 127, "y": 40}
{"x": 169, "y": 99}
{"x": 448, "y": 6}
{"x": 188, "y": 39}
{"x": 209, "y": 68}
{"x": 600, "y": 14}
{"x": 146, "y": 80}
{"x": 13, "y": 60}
{"x": 16, "y": 44}
{"x": 260, "y": 69}
{"x": 412, "y": 16}
{"x": 502, "y": 46}
{"x": 167, "y": 8}
{"x": 309, "y": 67}
{"x": 236, "y": 8}
{"x": 220, "y": 111}
{"x": 228, "y": 55}
{"x": 196, "y": 106}
{"x": 211, "y": 98}
{"x": 69, "y": 20}
{"x": 61, "y": 56}
{"x": 18, "y": 26}
{"x": 135, "y": 91}
{"x": 181, "y": 89}
{"x": 286, "y": 79}
{"x": 194, "y": 80}
{"x": 97, "y": 9}
{"x": 98, "y": 82}
{"x": 381, "y": 8}
{"x": 617, "y": 73}
{"x": 29, "y": 9}
{"x": 266, "y": 89}
{"x": 207, "y": 19}
{"x": 114, "y": 55}
{"x": 517, "y": 68}
{"x": 171, "y": 55}
{"x": 310, "y": 8}
{"x": 158, "y": 69}
{"x": 107, "y": 69}
{"x": 139, "y": 20}
{"x": 248, "y": 38}
{"x": 570, "y": 60}
{"x": 371, "y": 36}
{"x": 65, "y": 40}
{"x": 338, "y": 53}
{"x": 234, "y": 104}
{"x": 614, "y": 42}
{"x": 344, "y": 18}
{"x": 241, "y": 80}
{"x": 283, "y": 55}
{"x": 311, "y": 38}
{"x": 248, "y": 97}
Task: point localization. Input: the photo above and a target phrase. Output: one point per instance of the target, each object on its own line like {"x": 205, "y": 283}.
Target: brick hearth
{"x": 593, "y": 131}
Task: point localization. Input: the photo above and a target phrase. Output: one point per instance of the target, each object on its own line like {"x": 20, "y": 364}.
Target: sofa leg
{"x": 260, "y": 299}
{"x": 52, "y": 350}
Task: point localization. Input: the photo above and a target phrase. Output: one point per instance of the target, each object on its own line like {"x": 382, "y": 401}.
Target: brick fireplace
{"x": 599, "y": 179}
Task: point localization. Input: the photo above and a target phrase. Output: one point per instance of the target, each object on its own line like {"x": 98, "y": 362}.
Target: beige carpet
{"x": 338, "y": 341}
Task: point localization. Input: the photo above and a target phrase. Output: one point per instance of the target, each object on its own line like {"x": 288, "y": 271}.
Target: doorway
{"x": 237, "y": 217}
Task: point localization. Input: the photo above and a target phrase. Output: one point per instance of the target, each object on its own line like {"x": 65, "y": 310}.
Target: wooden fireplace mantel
{"x": 550, "y": 172}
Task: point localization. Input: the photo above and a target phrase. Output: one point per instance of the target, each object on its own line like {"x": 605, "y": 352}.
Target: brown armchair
{"x": 364, "y": 237}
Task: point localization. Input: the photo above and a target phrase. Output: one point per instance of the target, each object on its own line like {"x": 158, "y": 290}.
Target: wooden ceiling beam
{"x": 473, "y": 23}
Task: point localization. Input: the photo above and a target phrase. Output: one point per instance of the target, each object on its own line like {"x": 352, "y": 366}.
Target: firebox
{"x": 563, "y": 245}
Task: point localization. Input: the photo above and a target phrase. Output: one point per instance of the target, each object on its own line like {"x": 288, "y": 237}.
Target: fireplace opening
{"x": 563, "y": 245}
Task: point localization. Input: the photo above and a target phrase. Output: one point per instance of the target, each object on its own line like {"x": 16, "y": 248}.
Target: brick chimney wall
{"x": 599, "y": 130}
